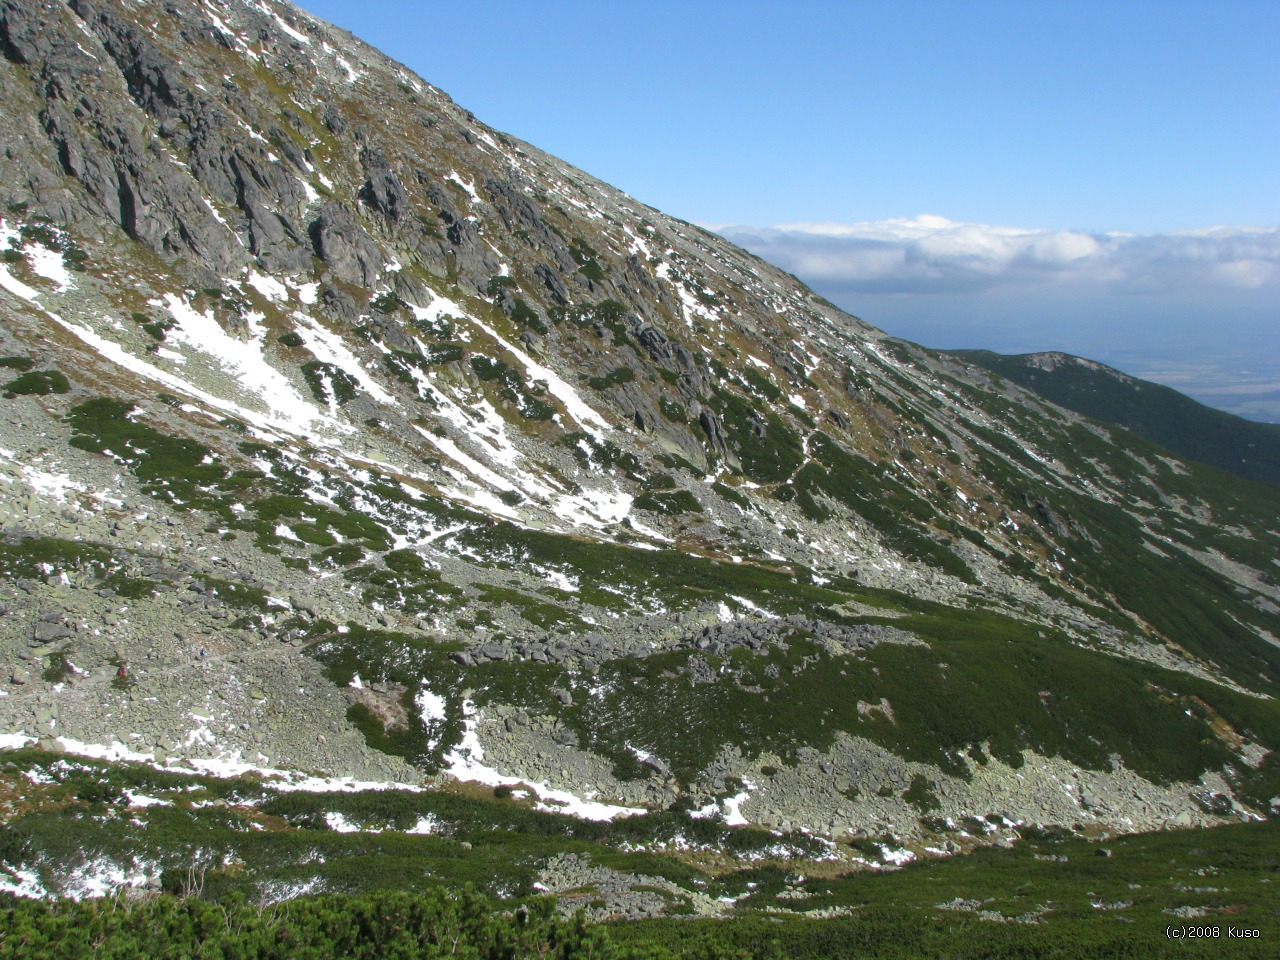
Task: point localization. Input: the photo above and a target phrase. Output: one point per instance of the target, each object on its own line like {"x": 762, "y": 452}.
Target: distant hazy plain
{"x": 1226, "y": 357}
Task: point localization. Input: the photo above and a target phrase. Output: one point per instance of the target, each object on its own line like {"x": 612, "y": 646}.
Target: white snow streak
{"x": 50, "y": 265}
{"x": 16, "y": 286}
{"x": 465, "y": 762}
{"x": 329, "y": 348}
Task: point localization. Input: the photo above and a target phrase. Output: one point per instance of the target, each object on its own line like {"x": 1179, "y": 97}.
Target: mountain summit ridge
{"x": 349, "y": 435}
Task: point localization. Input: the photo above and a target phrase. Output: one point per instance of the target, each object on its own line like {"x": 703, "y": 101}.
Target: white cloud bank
{"x": 1199, "y": 310}
{"x": 930, "y": 254}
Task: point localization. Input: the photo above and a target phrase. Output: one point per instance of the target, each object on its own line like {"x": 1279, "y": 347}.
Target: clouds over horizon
{"x": 1199, "y": 309}
{"x": 930, "y": 254}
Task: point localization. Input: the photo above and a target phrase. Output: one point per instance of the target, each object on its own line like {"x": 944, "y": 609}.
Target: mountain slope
{"x": 349, "y": 436}
{"x": 1159, "y": 413}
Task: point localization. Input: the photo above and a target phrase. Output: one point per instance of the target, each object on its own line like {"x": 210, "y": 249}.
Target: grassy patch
{"x": 1044, "y": 898}
{"x": 309, "y": 521}
{"x": 525, "y": 315}
{"x": 920, "y": 794}
{"x": 585, "y": 257}
{"x": 511, "y": 387}
{"x": 1162, "y": 415}
{"x": 540, "y": 613}
{"x": 669, "y": 577}
{"x": 761, "y": 384}
{"x": 673, "y": 411}
{"x": 668, "y": 502}
{"x": 328, "y": 382}
{"x": 1049, "y": 895}
{"x": 407, "y": 740}
{"x": 899, "y": 514}
{"x": 983, "y": 680}
{"x": 58, "y": 669}
{"x": 405, "y": 584}
{"x": 33, "y": 557}
{"x": 37, "y": 383}
{"x": 769, "y": 450}
{"x": 614, "y": 378}
{"x": 175, "y": 469}
{"x": 240, "y": 595}
{"x": 608, "y": 314}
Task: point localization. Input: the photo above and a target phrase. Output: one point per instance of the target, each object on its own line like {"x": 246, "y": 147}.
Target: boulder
{"x": 344, "y": 246}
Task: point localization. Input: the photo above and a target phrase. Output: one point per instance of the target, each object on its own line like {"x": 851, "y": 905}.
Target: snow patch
{"x": 647, "y": 531}
{"x": 556, "y": 578}
{"x": 468, "y": 186}
{"x": 692, "y": 306}
{"x": 23, "y": 883}
{"x": 733, "y": 808}
{"x": 142, "y": 800}
{"x": 730, "y": 809}
{"x": 50, "y": 265}
{"x": 352, "y": 73}
{"x": 16, "y": 286}
{"x": 477, "y": 469}
{"x": 466, "y": 762}
{"x": 753, "y": 608}
{"x": 269, "y": 287}
{"x": 431, "y": 706}
{"x": 587, "y": 417}
{"x": 432, "y": 709}
{"x": 288, "y": 30}
{"x": 328, "y": 347}
{"x": 340, "y": 824}
{"x": 53, "y": 486}
{"x": 242, "y": 359}
{"x": 594, "y": 507}
{"x": 896, "y": 857}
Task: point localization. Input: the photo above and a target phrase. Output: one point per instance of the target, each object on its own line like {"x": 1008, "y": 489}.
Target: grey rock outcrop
{"x": 342, "y": 243}
{"x": 382, "y": 190}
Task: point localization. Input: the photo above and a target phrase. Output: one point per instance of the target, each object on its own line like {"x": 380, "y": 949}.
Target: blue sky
{"x": 818, "y": 133}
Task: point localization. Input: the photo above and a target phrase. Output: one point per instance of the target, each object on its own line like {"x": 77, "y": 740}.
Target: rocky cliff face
{"x": 370, "y": 440}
